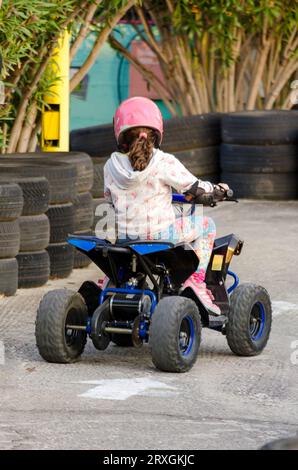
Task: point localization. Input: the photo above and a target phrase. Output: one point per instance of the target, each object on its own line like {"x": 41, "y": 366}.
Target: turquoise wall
{"x": 108, "y": 84}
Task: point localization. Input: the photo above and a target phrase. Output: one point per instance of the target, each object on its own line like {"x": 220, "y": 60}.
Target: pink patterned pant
{"x": 200, "y": 234}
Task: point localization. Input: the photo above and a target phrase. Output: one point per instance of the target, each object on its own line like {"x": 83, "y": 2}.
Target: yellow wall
{"x": 55, "y": 117}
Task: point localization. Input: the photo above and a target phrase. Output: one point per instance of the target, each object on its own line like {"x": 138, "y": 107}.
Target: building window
{"x": 81, "y": 89}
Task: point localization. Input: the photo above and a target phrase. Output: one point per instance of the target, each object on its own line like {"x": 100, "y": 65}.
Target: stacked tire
{"x": 259, "y": 154}
{"x": 195, "y": 141}
{"x": 62, "y": 180}
{"x": 33, "y": 259}
{"x": 74, "y": 216}
{"x": 99, "y": 143}
{"x": 11, "y": 204}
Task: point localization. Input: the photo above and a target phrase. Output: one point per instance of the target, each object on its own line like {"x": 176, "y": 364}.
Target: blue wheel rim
{"x": 257, "y": 321}
{"x": 186, "y": 335}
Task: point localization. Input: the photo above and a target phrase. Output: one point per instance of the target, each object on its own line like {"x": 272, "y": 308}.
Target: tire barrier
{"x": 34, "y": 269}
{"x": 260, "y": 127}
{"x": 259, "y": 154}
{"x": 201, "y": 130}
{"x": 97, "y": 141}
{"x": 80, "y": 259}
{"x": 190, "y": 132}
{"x": 62, "y": 177}
{"x": 11, "y": 205}
{"x": 33, "y": 229}
{"x": 83, "y": 209}
{"x": 34, "y": 232}
{"x": 98, "y": 184}
{"x": 61, "y": 260}
{"x": 8, "y": 276}
{"x": 56, "y": 193}
{"x": 61, "y": 217}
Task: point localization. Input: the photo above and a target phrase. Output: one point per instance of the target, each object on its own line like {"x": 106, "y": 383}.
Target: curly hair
{"x": 139, "y": 143}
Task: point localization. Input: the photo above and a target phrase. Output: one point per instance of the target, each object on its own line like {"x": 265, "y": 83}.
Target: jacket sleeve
{"x": 107, "y": 192}
{"x": 176, "y": 175}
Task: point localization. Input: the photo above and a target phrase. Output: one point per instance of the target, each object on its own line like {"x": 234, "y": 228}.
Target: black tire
{"x": 290, "y": 443}
{"x": 35, "y": 232}
{"x": 99, "y": 337}
{"x": 96, "y": 140}
{"x": 9, "y": 239}
{"x": 61, "y": 259}
{"x": 8, "y": 276}
{"x": 62, "y": 222}
{"x": 249, "y": 320}
{"x": 82, "y": 163}
{"x": 260, "y": 127}
{"x": 200, "y": 161}
{"x": 182, "y": 133}
{"x": 259, "y": 158}
{"x": 34, "y": 269}
{"x": 90, "y": 291}
{"x": 62, "y": 177}
{"x": 214, "y": 178}
{"x": 121, "y": 340}
{"x": 83, "y": 212}
{"x": 36, "y": 193}
{"x": 272, "y": 186}
{"x": 98, "y": 184}
{"x": 171, "y": 315}
{"x": 11, "y": 201}
{"x": 81, "y": 260}
{"x": 55, "y": 310}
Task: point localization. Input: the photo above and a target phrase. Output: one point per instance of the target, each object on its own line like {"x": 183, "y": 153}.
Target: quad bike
{"x": 144, "y": 301}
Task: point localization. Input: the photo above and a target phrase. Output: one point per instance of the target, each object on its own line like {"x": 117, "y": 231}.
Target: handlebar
{"x": 228, "y": 196}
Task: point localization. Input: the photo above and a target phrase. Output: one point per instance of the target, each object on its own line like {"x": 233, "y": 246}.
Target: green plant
{"x": 219, "y": 55}
{"x": 29, "y": 32}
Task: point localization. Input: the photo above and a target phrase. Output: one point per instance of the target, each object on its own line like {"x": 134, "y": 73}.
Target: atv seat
{"x": 179, "y": 259}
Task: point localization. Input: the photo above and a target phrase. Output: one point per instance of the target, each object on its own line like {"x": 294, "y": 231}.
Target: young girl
{"x": 138, "y": 182}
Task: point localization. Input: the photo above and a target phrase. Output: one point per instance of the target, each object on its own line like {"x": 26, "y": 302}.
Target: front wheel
{"x": 56, "y": 340}
{"x": 175, "y": 334}
{"x": 249, "y": 320}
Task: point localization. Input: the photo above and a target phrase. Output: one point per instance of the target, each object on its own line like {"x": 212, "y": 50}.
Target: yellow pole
{"x": 55, "y": 115}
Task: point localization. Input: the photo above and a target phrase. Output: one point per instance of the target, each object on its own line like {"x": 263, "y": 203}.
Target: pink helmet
{"x": 137, "y": 112}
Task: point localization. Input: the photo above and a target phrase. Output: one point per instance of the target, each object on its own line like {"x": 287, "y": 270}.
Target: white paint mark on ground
{"x": 279, "y": 307}
{"x": 121, "y": 389}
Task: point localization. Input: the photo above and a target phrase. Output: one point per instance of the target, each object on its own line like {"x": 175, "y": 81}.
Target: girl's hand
{"x": 224, "y": 186}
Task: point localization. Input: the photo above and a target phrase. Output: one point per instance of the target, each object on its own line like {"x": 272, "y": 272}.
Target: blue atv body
{"x": 144, "y": 301}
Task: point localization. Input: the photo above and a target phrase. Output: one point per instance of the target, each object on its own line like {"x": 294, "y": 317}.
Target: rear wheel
{"x": 249, "y": 320}
{"x": 175, "y": 334}
{"x": 56, "y": 340}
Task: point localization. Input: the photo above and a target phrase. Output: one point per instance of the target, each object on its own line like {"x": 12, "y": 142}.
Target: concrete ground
{"x": 116, "y": 399}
